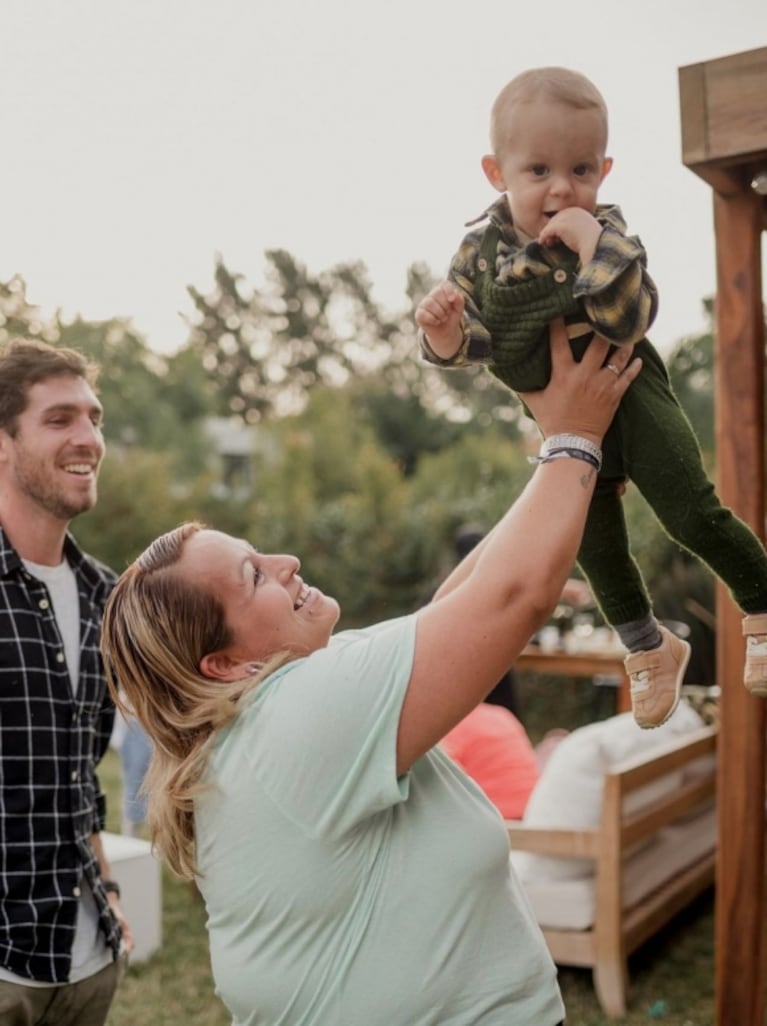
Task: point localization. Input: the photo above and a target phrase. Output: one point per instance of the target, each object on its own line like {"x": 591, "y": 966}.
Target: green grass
{"x": 671, "y": 977}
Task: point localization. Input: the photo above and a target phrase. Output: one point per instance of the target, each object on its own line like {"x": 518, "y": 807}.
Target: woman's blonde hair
{"x": 554, "y": 83}
{"x": 156, "y": 629}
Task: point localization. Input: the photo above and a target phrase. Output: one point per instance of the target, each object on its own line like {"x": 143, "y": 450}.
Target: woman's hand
{"x": 581, "y": 398}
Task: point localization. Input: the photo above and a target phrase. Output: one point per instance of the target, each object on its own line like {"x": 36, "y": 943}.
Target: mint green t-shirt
{"x": 340, "y": 895}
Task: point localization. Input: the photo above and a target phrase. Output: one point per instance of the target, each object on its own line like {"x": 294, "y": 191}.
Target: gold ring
{"x": 614, "y": 369}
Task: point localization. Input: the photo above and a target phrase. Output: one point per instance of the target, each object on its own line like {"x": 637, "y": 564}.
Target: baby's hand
{"x": 577, "y": 228}
{"x": 438, "y": 315}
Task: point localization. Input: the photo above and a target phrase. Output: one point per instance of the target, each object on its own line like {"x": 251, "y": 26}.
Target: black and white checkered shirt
{"x": 50, "y": 744}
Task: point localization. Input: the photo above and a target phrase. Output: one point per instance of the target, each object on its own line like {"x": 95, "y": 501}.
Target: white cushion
{"x": 570, "y": 904}
{"x": 568, "y": 794}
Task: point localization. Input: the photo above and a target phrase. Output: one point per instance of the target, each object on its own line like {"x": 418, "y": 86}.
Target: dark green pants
{"x": 652, "y": 443}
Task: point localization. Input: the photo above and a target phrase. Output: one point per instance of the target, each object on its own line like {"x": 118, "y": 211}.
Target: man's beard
{"x": 31, "y": 481}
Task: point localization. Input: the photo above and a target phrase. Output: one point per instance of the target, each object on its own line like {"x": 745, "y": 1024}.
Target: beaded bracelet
{"x": 570, "y": 445}
{"x": 559, "y": 454}
{"x": 568, "y": 441}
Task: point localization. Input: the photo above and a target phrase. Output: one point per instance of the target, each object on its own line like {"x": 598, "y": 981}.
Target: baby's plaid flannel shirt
{"x": 618, "y": 298}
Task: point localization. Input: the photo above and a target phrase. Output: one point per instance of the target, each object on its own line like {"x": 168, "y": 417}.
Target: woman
{"x": 351, "y": 872}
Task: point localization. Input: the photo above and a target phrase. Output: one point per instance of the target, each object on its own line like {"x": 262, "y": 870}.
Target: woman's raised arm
{"x": 493, "y": 602}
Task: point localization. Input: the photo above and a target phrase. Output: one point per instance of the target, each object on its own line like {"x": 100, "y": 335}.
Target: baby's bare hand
{"x": 439, "y": 315}
{"x": 576, "y": 228}
{"x": 442, "y": 304}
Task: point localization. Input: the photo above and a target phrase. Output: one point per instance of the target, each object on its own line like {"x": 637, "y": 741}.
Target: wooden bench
{"x": 679, "y": 823}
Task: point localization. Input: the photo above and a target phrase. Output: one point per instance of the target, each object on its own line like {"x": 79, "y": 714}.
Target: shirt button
{"x": 560, "y": 276}
{"x": 482, "y": 264}
{"x": 59, "y": 657}
{"x": 76, "y": 891}
{"x": 44, "y": 603}
{"x": 75, "y": 774}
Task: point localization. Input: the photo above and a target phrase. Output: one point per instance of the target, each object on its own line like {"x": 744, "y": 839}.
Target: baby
{"x": 548, "y": 249}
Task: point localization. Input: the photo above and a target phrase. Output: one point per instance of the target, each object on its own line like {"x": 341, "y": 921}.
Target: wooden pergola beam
{"x": 724, "y": 119}
{"x": 724, "y": 141}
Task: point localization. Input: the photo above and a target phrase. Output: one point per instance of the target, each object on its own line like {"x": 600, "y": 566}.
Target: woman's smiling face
{"x": 268, "y": 607}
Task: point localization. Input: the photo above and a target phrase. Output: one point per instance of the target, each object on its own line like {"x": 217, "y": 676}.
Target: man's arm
{"x": 113, "y": 898}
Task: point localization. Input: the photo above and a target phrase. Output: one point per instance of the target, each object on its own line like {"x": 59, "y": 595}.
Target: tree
{"x": 337, "y": 498}
{"x": 150, "y": 403}
{"x": 268, "y": 347}
{"x": 691, "y": 369}
{"x": 18, "y": 317}
{"x": 135, "y": 505}
{"x": 402, "y": 424}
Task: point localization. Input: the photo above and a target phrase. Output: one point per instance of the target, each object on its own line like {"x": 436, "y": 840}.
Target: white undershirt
{"x": 62, "y": 587}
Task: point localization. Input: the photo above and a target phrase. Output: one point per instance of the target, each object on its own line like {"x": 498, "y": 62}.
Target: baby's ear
{"x": 607, "y": 165}
{"x": 493, "y": 172}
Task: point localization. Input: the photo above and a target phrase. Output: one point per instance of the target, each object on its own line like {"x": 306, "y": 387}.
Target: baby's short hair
{"x": 553, "y": 83}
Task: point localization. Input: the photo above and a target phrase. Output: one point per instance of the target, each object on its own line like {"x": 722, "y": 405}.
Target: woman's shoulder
{"x": 353, "y": 649}
{"x": 381, "y": 631}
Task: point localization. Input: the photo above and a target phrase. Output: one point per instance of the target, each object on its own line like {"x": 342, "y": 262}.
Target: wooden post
{"x": 724, "y": 140}
{"x": 740, "y": 906}
{"x": 723, "y": 106}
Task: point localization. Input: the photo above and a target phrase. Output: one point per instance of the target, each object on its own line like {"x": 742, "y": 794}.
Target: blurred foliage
{"x": 368, "y": 459}
{"x": 19, "y": 317}
{"x": 146, "y": 407}
{"x": 691, "y": 370}
{"x": 268, "y": 347}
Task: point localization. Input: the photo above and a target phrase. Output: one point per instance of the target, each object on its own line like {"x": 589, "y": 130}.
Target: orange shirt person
{"x": 492, "y": 747}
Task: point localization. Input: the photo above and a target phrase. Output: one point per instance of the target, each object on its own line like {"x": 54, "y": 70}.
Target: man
{"x": 61, "y": 928}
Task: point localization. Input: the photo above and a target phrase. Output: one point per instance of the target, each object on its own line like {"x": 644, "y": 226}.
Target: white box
{"x": 139, "y": 875}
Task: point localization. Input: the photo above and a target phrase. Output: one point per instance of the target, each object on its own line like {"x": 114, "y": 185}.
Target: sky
{"x": 144, "y": 137}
